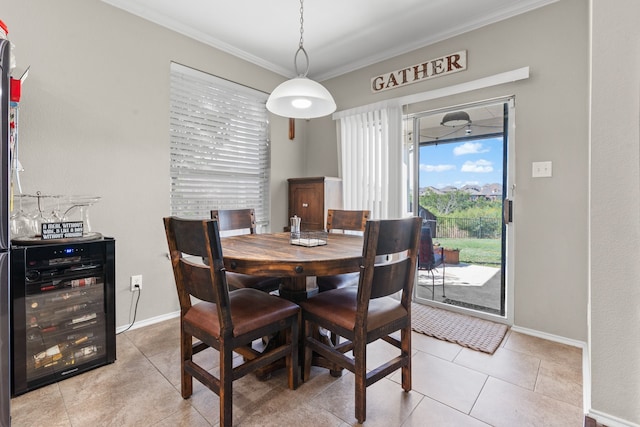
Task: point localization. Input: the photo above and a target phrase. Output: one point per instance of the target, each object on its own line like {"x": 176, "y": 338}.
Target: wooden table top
{"x": 273, "y": 255}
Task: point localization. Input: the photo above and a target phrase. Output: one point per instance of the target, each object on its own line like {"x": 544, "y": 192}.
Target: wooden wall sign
{"x": 429, "y": 69}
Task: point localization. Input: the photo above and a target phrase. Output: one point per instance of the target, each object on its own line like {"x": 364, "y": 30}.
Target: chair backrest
{"x": 189, "y": 242}
{"x": 426, "y": 256}
{"x": 396, "y": 242}
{"x": 347, "y": 220}
{"x": 241, "y": 220}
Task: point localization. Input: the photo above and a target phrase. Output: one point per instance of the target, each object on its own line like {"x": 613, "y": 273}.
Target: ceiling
{"x": 484, "y": 120}
{"x": 339, "y": 35}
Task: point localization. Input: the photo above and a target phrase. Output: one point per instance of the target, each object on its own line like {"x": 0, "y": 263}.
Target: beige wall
{"x": 94, "y": 120}
{"x": 615, "y": 211}
{"x": 551, "y": 124}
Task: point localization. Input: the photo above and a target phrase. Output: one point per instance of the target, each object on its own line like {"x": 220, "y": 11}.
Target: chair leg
{"x": 360, "y": 356}
{"x": 433, "y": 285}
{"x": 405, "y": 348}
{"x": 186, "y": 350}
{"x": 292, "y": 357}
{"x": 443, "y": 295}
{"x": 307, "y": 352}
{"x": 335, "y": 339}
{"x": 226, "y": 390}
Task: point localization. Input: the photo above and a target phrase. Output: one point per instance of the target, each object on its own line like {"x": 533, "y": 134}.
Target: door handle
{"x": 507, "y": 211}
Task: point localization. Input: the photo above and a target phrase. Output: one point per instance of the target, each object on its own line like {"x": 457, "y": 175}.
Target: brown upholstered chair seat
{"x": 250, "y": 310}
{"x": 341, "y": 304}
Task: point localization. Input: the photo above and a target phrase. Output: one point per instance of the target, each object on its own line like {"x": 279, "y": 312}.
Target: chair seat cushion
{"x": 240, "y": 281}
{"x": 339, "y": 306}
{"x": 339, "y": 281}
{"x": 250, "y": 309}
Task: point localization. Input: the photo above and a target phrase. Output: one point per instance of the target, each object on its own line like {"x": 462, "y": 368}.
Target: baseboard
{"x": 150, "y": 321}
{"x": 550, "y": 337}
{"x": 609, "y": 420}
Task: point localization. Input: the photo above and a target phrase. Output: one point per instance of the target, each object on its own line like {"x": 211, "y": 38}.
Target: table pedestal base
{"x": 295, "y": 289}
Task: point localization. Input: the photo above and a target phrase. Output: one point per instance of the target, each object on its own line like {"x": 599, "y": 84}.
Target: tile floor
{"x": 528, "y": 381}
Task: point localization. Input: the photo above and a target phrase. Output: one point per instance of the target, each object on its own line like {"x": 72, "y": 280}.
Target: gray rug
{"x": 467, "y": 331}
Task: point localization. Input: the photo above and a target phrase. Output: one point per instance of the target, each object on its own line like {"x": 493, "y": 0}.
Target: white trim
{"x": 481, "y": 83}
{"x": 150, "y": 321}
{"x": 550, "y": 337}
{"x": 586, "y": 378}
{"x": 610, "y": 420}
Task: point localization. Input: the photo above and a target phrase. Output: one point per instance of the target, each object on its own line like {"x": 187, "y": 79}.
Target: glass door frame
{"x": 508, "y": 228}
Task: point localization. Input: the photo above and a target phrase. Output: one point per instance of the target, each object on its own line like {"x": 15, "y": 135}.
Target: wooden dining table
{"x": 272, "y": 255}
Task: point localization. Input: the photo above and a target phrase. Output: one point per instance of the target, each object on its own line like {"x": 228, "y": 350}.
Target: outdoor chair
{"x": 368, "y": 312}
{"x": 226, "y": 321}
{"x": 429, "y": 258}
{"x": 242, "y": 221}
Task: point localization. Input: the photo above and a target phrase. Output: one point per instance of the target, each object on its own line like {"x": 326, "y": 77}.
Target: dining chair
{"x": 369, "y": 312}
{"x": 226, "y": 321}
{"x": 429, "y": 258}
{"x": 242, "y": 221}
{"x": 343, "y": 221}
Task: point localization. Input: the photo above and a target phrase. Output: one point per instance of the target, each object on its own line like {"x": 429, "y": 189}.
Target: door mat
{"x": 467, "y": 331}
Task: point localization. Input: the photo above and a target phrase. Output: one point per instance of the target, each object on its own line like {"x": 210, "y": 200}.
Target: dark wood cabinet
{"x": 309, "y": 198}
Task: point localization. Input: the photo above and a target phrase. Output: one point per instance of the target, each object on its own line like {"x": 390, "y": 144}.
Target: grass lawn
{"x": 474, "y": 251}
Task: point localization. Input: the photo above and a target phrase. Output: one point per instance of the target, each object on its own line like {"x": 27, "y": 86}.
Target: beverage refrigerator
{"x": 5, "y": 337}
{"x": 62, "y": 310}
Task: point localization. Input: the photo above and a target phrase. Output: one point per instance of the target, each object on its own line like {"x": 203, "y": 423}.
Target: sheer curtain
{"x": 370, "y": 151}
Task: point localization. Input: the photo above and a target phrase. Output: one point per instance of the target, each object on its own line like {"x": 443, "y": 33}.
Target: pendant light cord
{"x": 301, "y": 22}
{"x": 300, "y": 45}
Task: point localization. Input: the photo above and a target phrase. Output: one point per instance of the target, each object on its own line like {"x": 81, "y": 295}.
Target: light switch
{"x": 541, "y": 170}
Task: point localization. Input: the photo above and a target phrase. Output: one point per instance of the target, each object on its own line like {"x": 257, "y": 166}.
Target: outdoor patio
{"x": 466, "y": 285}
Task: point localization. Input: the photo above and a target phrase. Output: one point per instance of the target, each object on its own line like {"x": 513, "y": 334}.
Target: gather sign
{"x": 431, "y": 68}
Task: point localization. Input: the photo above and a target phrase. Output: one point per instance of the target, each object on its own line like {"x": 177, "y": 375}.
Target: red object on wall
{"x": 15, "y": 90}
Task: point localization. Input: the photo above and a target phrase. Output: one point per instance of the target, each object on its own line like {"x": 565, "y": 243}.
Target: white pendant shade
{"x": 301, "y": 98}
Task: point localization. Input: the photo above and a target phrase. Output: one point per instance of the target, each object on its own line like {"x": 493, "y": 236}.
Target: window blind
{"x": 371, "y": 161}
{"x": 219, "y": 146}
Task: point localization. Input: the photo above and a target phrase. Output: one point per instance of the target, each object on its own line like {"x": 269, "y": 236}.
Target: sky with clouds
{"x": 460, "y": 163}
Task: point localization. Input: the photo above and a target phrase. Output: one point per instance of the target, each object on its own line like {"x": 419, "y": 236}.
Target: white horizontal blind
{"x": 219, "y": 146}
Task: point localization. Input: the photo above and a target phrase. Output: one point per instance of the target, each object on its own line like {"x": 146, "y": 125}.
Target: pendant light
{"x": 301, "y": 97}
{"x": 457, "y": 118}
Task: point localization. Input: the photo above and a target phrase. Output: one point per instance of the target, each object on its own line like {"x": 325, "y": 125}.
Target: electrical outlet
{"x": 136, "y": 282}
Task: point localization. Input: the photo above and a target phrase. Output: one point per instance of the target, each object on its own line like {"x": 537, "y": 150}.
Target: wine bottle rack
{"x": 63, "y": 319}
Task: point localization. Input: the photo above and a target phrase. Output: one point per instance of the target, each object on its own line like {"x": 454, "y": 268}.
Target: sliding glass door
{"x": 462, "y": 181}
